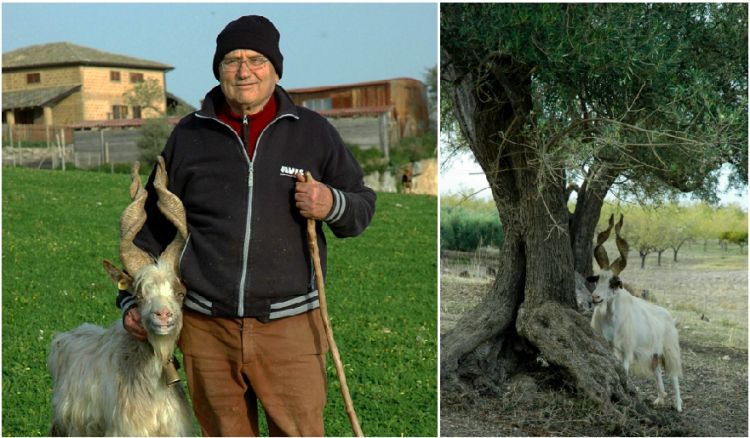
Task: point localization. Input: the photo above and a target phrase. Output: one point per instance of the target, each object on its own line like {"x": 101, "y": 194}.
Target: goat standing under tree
{"x": 642, "y": 335}
{"x": 107, "y": 382}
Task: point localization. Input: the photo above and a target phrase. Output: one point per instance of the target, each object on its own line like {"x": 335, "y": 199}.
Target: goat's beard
{"x": 163, "y": 345}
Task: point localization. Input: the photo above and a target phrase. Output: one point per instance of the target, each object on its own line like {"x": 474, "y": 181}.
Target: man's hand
{"x": 313, "y": 199}
{"x": 132, "y": 323}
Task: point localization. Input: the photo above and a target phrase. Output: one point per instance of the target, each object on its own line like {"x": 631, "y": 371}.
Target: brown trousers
{"x": 231, "y": 363}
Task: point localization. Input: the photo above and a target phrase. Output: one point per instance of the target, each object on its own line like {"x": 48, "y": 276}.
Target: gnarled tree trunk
{"x": 586, "y": 215}
{"x": 529, "y": 309}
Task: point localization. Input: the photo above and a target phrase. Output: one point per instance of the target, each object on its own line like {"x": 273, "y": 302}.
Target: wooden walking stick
{"x": 312, "y": 240}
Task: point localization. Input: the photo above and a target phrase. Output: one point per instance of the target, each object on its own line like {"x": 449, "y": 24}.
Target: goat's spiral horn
{"x": 172, "y": 208}
{"x": 132, "y": 219}
{"x": 600, "y": 254}
{"x": 622, "y": 247}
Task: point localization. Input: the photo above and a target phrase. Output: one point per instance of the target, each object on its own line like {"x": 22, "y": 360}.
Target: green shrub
{"x": 370, "y": 159}
{"x": 412, "y": 149}
{"x": 154, "y": 135}
{"x": 406, "y": 151}
{"x": 463, "y": 229}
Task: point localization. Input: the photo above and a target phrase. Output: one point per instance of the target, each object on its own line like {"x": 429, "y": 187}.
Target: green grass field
{"x": 382, "y": 294}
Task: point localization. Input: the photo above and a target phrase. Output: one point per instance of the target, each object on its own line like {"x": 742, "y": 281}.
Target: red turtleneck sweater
{"x": 255, "y": 123}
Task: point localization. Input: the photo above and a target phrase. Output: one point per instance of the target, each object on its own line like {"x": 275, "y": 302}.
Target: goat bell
{"x": 170, "y": 373}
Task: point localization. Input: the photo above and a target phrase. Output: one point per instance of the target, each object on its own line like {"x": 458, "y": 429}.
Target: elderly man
{"x": 252, "y": 326}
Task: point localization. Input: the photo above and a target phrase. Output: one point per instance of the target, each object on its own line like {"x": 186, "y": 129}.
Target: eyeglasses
{"x": 233, "y": 64}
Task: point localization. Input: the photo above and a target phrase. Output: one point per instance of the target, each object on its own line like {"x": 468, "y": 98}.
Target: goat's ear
{"x": 593, "y": 279}
{"x": 180, "y": 288}
{"x": 121, "y": 279}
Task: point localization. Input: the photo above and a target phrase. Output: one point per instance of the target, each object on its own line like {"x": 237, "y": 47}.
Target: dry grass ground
{"x": 705, "y": 291}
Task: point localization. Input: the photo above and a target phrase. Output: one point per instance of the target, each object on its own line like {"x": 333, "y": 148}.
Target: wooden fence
{"x": 84, "y": 149}
{"x": 25, "y": 144}
{"x": 367, "y": 131}
{"x": 34, "y": 135}
{"x": 93, "y": 148}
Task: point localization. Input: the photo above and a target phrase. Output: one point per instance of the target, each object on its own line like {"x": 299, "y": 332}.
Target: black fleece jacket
{"x": 247, "y": 253}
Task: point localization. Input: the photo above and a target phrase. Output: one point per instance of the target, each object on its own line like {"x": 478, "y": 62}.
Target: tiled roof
{"x": 65, "y": 53}
{"x": 37, "y": 97}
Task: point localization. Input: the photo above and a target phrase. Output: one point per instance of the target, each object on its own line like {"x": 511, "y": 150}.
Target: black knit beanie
{"x": 251, "y": 32}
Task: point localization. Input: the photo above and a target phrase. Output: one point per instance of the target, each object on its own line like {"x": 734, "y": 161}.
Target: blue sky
{"x": 322, "y": 44}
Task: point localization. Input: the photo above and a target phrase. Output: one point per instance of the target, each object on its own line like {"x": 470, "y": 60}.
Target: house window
{"x": 136, "y": 77}
{"x": 318, "y": 104}
{"x": 136, "y": 112}
{"x": 114, "y": 76}
{"x": 33, "y": 78}
{"x": 119, "y": 111}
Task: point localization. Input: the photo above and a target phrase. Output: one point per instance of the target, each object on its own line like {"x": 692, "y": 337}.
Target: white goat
{"x": 642, "y": 335}
{"x": 107, "y": 382}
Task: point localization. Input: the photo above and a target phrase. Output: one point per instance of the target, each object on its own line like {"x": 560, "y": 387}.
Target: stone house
{"x": 64, "y": 84}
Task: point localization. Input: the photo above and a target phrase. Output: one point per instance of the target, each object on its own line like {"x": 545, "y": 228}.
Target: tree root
{"x": 487, "y": 350}
{"x": 565, "y": 340}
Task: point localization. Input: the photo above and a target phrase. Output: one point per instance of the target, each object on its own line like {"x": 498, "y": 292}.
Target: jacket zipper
{"x": 248, "y": 227}
{"x": 248, "y": 218}
{"x": 245, "y": 131}
{"x": 250, "y": 162}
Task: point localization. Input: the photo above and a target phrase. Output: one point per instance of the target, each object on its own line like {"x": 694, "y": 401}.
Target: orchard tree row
{"x": 655, "y": 229}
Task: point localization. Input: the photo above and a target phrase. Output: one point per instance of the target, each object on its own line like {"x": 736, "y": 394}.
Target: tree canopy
{"x": 657, "y": 91}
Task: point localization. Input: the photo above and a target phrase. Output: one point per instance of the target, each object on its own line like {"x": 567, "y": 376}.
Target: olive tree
{"x": 555, "y": 99}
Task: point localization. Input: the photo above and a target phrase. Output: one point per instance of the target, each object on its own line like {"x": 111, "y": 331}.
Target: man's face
{"x": 247, "y": 87}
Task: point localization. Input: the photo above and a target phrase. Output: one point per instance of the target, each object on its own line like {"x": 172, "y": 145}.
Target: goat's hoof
{"x": 678, "y": 406}
{"x": 658, "y": 401}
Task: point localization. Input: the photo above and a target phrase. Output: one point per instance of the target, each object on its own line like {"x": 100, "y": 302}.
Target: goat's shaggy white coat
{"x": 108, "y": 383}
{"x": 643, "y": 335}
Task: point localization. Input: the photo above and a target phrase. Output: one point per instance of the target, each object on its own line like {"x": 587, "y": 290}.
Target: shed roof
{"x": 179, "y": 101}
{"x": 37, "y": 97}
{"x": 343, "y": 86}
{"x": 65, "y": 53}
